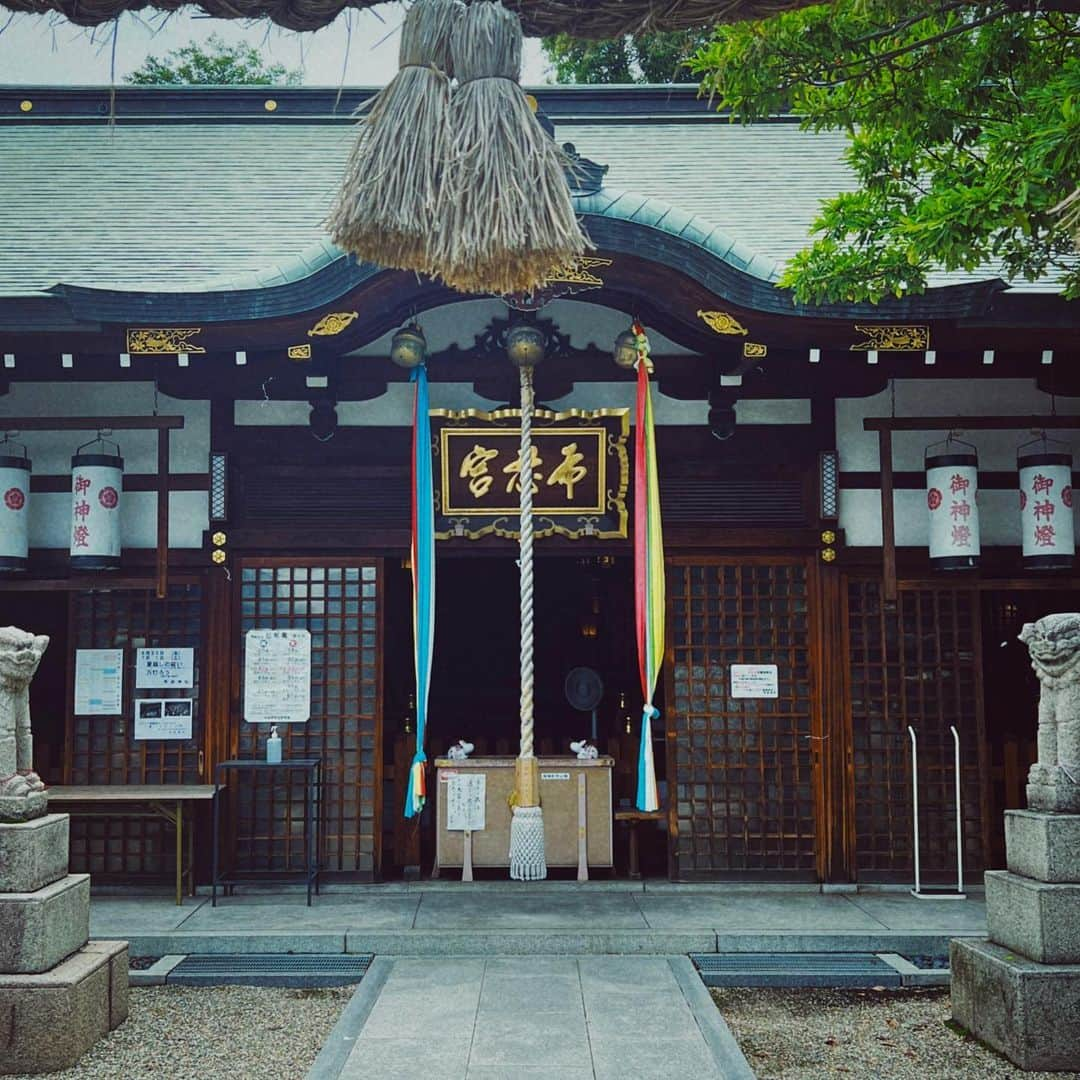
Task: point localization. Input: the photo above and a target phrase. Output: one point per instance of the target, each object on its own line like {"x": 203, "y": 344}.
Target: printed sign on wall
{"x": 163, "y": 718}
{"x": 755, "y": 681}
{"x": 465, "y": 795}
{"x": 99, "y": 682}
{"x": 277, "y": 677}
{"x": 164, "y": 669}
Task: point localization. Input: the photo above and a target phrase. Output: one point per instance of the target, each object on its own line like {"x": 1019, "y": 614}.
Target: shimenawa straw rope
{"x": 506, "y": 218}
{"x": 386, "y": 210}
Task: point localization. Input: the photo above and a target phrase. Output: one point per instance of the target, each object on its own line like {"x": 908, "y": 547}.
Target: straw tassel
{"x": 507, "y": 216}
{"x": 386, "y": 209}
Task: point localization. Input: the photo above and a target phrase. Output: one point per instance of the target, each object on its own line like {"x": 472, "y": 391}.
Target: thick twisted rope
{"x": 525, "y": 478}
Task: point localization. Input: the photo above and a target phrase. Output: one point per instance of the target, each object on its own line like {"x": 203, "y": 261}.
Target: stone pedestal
{"x": 59, "y": 992}
{"x": 1020, "y": 991}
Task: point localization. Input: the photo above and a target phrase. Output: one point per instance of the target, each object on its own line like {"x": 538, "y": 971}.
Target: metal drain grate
{"x": 795, "y": 969}
{"x": 238, "y": 969}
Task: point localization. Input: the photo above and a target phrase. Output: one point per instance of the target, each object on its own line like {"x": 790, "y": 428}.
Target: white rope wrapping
{"x": 526, "y": 553}
{"x": 528, "y": 861}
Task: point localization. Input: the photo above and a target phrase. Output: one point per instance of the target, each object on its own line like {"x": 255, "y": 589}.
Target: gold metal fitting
{"x": 219, "y": 539}
{"x": 828, "y": 537}
{"x": 828, "y": 554}
{"x": 217, "y": 557}
{"x": 269, "y": 104}
{"x": 25, "y": 105}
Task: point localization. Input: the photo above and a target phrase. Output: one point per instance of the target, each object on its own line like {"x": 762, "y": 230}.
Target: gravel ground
{"x": 886, "y": 1034}
{"x": 200, "y": 1033}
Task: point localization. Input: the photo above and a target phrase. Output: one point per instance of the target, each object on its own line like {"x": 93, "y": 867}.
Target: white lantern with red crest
{"x": 14, "y": 506}
{"x": 1046, "y": 515}
{"x": 952, "y": 488}
{"x": 97, "y": 482}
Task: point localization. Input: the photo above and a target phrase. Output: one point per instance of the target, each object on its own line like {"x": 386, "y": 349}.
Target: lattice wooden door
{"x": 340, "y": 602}
{"x": 917, "y": 666}
{"x": 742, "y": 771}
{"x": 103, "y": 749}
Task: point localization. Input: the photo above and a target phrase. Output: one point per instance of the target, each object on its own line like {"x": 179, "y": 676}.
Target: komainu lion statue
{"x": 1054, "y": 645}
{"x": 22, "y": 793}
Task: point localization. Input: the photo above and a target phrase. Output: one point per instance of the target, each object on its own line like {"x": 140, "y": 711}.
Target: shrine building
{"x": 842, "y": 610}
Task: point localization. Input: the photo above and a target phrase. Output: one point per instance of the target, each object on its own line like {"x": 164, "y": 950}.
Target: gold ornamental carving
{"x": 884, "y": 338}
{"x": 333, "y": 324}
{"x": 579, "y": 272}
{"x": 299, "y": 352}
{"x": 163, "y": 341}
{"x": 752, "y": 350}
{"x": 720, "y": 322}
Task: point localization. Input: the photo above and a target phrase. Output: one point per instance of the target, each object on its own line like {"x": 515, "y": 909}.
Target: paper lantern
{"x": 14, "y": 507}
{"x": 952, "y": 488}
{"x": 97, "y": 483}
{"x": 1046, "y": 515}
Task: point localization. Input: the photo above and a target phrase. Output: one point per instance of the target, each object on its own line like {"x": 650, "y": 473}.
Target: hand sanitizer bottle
{"x": 273, "y": 747}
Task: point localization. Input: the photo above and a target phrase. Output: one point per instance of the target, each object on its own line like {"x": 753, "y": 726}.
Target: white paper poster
{"x": 164, "y": 669}
{"x": 163, "y": 718}
{"x": 99, "y": 682}
{"x": 755, "y": 681}
{"x": 465, "y": 797}
{"x": 277, "y": 677}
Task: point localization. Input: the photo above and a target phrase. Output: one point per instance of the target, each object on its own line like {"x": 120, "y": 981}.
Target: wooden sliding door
{"x": 340, "y": 602}
{"x": 742, "y": 772}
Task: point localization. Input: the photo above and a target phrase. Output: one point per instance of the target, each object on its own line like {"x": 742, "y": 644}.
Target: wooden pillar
{"x": 836, "y": 841}
{"x": 221, "y": 736}
{"x": 888, "y": 524}
{"x": 162, "y": 513}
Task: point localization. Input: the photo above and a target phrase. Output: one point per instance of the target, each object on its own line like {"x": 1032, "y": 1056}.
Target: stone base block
{"x": 35, "y": 853}
{"x": 1039, "y": 921}
{"x": 1043, "y": 846}
{"x": 24, "y": 807}
{"x": 1024, "y": 1010}
{"x": 1054, "y": 798}
{"x": 39, "y": 929}
{"x": 52, "y": 1019}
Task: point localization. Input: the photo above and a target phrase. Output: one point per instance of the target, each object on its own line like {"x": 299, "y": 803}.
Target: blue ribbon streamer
{"x": 423, "y": 569}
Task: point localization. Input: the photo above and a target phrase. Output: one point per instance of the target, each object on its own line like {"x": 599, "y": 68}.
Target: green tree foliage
{"x": 635, "y": 58}
{"x": 215, "y": 64}
{"x": 964, "y": 133}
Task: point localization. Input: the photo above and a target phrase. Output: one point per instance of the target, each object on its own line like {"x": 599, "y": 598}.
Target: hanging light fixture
{"x": 14, "y": 505}
{"x": 408, "y": 347}
{"x": 1046, "y": 515}
{"x": 626, "y": 350}
{"x": 97, "y": 482}
{"x": 952, "y": 488}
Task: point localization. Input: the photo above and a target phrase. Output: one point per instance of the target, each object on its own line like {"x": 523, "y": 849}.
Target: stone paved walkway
{"x": 556, "y": 1017}
{"x": 542, "y": 917}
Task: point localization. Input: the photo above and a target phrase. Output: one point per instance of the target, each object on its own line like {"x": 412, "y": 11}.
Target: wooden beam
{"x": 968, "y": 423}
{"x": 91, "y": 423}
{"x": 888, "y": 525}
{"x": 163, "y": 513}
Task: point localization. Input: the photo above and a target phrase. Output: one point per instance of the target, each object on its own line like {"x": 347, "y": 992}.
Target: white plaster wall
{"x": 51, "y": 453}
{"x": 860, "y": 510}
{"x": 395, "y": 407}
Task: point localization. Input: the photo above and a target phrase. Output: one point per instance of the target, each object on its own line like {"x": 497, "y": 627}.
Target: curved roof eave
{"x": 617, "y": 222}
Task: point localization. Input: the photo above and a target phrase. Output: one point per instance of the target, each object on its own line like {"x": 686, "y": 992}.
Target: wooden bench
{"x": 167, "y": 801}
{"x": 631, "y": 818}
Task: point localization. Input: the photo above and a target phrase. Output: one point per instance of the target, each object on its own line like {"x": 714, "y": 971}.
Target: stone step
{"x": 39, "y": 929}
{"x": 33, "y": 854}
{"x": 1025, "y": 1010}
{"x": 52, "y": 1018}
{"x": 1038, "y": 920}
{"x": 1043, "y": 846}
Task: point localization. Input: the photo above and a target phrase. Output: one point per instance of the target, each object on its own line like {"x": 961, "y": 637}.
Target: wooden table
{"x": 121, "y": 800}
{"x": 631, "y": 819}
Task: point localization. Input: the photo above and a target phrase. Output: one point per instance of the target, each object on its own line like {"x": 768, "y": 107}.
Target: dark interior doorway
{"x": 584, "y": 617}
{"x": 44, "y": 613}
{"x": 1011, "y": 696}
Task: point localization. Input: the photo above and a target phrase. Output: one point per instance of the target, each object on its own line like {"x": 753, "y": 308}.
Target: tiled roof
{"x": 212, "y": 203}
